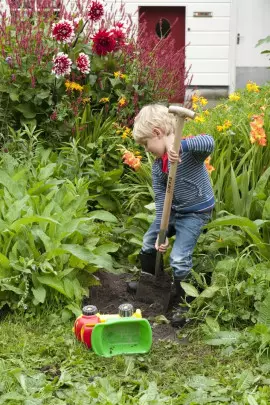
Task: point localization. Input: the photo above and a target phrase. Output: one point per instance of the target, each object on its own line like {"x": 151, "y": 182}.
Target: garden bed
{"x": 112, "y": 292}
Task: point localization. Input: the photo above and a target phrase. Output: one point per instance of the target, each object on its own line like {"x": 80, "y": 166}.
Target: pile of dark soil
{"x": 112, "y": 292}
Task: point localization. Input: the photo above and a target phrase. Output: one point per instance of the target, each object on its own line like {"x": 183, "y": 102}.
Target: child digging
{"x": 193, "y": 198}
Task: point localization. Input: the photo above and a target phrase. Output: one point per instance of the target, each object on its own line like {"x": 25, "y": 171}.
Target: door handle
{"x": 238, "y": 39}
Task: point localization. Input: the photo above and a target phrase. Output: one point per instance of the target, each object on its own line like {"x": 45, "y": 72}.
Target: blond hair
{"x": 150, "y": 117}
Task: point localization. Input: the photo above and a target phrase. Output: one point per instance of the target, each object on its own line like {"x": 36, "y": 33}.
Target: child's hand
{"x": 162, "y": 248}
{"x": 173, "y": 156}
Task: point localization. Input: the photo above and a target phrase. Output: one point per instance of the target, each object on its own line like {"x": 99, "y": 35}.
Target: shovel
{"x": 157, "y": 289}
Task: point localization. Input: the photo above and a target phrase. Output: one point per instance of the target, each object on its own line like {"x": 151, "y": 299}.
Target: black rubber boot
{"x": 148, "y": 264}
{"x": 178, "y": 317}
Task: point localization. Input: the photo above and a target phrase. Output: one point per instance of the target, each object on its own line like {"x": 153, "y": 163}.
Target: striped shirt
{"x": 192, "y": 191}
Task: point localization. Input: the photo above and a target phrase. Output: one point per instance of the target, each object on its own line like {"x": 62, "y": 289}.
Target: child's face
{"x": 157, "y": 143}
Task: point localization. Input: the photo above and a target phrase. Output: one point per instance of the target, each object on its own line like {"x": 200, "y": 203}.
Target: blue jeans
{"x": 187, "y": 228}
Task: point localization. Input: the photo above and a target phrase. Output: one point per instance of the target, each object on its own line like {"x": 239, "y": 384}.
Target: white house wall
{"x": 207, "y": 38}
{"x": 253, "y": 18}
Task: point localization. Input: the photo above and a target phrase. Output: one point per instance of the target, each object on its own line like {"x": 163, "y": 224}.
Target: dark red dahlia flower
{"x": 63, "y": 31}
{"x": 104, "y": 42}
{"x": 119, "y": 37}
{"x": 96, "y": 11}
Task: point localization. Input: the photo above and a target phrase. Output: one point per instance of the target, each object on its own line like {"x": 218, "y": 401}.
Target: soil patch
{"x": 112, "y": 292}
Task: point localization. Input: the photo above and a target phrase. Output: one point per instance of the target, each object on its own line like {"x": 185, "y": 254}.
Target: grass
{"x": 42, "y": 364}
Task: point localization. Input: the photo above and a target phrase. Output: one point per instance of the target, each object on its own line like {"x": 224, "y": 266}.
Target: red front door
{"x": 167, "y": 23}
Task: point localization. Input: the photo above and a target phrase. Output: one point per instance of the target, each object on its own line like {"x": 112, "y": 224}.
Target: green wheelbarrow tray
{"x": 122, "y": 336}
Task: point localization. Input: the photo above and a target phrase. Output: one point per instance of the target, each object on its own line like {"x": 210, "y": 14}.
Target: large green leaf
{"x": 15, "y": 209}
{"x": 209, "y": 292}
{"x": 80, "y": 252}
{"x": 106, "y": 248}
{"x": 68, "y": 285}
{"x": 27, "y": 110}
{"x": 29, "y": 220}
{"x": 189, "y": 289}
{"x": 11, "y": 287}
{"x": 106, "y": 202}
{"x": 39, "y": 294}
{"x": 71, "y": 226}
{"x": 233, "y": 220}
{"x": 53, "y": 282}
{"x": 4, "y": 264}
{"x": 40, "y": 188}
{"x": 101, "y": 261}
{"x": 10, "y": 184}
{"x": 47, "y": 171}
{"x": 46, "y": 240}
{"x": 103, "y": 216}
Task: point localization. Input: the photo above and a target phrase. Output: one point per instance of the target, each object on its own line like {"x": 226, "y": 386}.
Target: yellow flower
{"x": 73, "y": 86}
{"x": 227, "y": 124}
{"x": 104, "y": 100}
{"x": 220, "y": 128}
{"x": 126, "y": 133}
{"x": 203, "y": 101}
{"x": 195, "y": 98}
{"x": 252, "y": 87}
{"x": 199, "y": 118}
{"x": 195, "y": 106}
{"x": 86, "y": 100}
{"x": 206, "y": 112}
{"x": 122, "y": 102}
{"x": 234, "y": 96}
{"x": 119, "y": 74}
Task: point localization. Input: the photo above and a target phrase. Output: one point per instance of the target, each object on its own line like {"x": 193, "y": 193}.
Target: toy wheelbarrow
{"x": 113, "y": 334}
{"x": 122, "y": 336}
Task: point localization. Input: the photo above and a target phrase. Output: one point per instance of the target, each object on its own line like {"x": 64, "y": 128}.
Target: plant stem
{"x": 76, "y": 40}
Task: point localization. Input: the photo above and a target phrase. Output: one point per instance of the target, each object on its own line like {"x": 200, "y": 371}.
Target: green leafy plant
{"x": 50, "y": 244}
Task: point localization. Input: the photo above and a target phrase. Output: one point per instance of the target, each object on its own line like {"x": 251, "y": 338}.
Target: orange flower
{"x": 257, "y": 132}
{"x": 209, "y": 167}
{"x": 131, "y": 160}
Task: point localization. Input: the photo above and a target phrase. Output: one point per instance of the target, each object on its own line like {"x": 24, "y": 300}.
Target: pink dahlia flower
{"x": 83, "y": 63}
{"x": 63, "y": 31}
{"x": 96, "y": 11}
{"x": 61, "y": 64}
{"x": 104, "y": 42}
